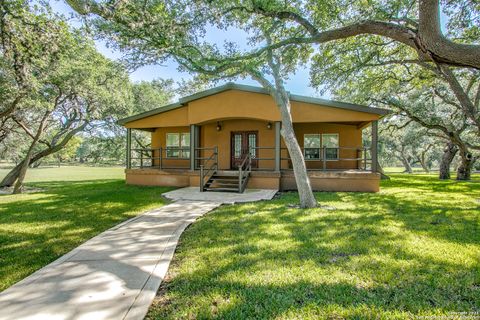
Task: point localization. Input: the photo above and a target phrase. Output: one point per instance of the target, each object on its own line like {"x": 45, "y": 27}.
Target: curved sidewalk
{"x": 114, "y": 275}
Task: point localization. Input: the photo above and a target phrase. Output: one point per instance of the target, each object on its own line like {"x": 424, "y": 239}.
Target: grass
{"x": 411, "y": 250}
{"x": 416, "y": 170}
{"x": 71, "y": 173}
{"x": 76, "y": 204}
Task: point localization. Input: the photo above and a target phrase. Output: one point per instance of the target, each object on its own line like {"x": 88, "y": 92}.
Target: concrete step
{"x": 224, "y": 185}
{"x": 220, "y": 176}
{"x": 228, "y": 173}
{"x": 221, "y": 189}
{"x": 223, "y": 179}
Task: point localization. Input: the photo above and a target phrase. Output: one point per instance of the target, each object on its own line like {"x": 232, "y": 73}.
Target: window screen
{"x": 311, "y": 145}
{"x": 178, "y": 145}
{"x": 330, "y": 142}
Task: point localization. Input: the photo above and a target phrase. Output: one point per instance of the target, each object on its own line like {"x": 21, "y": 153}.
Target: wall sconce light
{"x": 269, "y": 125}
{"x": 219, "y": 126}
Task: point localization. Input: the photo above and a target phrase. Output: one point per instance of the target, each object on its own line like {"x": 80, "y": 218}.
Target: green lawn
{"x": 416, "y": 170}
{"x": 71, "y": 173}
{"x": 37, "y": 228}
{"x": 411, "y": 250}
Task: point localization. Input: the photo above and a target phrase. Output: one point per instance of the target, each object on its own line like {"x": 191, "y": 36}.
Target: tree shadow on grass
{"x": 310, "y": 277}
{"x": 359, "y": 261}
{"x": 35, "y": 229}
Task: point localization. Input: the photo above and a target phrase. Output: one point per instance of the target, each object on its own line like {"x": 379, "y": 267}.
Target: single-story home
{"x": 229, "y": 138}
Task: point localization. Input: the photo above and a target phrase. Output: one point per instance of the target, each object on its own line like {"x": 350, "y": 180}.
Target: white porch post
{"x": 374, "y": 148}
{"x": 278, "y": 126}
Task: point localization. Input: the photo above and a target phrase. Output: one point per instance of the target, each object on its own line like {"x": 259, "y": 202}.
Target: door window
{"x": 237, "y": 145}
{"x": 252, "y": 145}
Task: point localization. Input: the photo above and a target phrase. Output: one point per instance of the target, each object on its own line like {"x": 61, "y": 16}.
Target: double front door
{"x": 242, "y": 144}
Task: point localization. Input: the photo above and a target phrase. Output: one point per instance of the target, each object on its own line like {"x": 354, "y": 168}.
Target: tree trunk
{"x": 466, "y": 164}
{"x": 282, "y": 100}
{"x": 307, "y": 199}
{"x": 448, "y": 154}
{"x": 10, "y": 178}
{"x": 28, "y": 157}
{"x": 383, "y": 176}
{"x": 406, "y": 164}
{"x": 23, "y": 170}
{"x": 424, "y": 164}
{"x": 35, "y": 164}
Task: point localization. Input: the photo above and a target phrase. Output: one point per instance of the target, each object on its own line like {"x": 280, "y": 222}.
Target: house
{"x": 229, "y": 138}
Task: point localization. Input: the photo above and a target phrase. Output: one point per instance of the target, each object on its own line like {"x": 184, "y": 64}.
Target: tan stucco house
{"x": 228, "y": 138}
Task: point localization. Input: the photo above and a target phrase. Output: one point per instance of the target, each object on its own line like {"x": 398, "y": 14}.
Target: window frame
{"x": 319, "y": 148}
{"x": 337, "y": 148}
{"x": 182, "y": 150}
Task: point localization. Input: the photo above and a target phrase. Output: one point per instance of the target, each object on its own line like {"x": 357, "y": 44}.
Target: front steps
{"x": 224, "y": 181}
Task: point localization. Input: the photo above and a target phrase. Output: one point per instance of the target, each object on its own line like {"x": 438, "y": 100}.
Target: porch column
{"x": 278, "y": 126}
{"x": 374, "y": 149}
{"x": 193, "y": 145}
{"x": 129, "y": 148}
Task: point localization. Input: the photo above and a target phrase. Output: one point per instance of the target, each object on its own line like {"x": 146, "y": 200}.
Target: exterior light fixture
{"x": 219, "y": 126}
{"x": 269, "y": 125}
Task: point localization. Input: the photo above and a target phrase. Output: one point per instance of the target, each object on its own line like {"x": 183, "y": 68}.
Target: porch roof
{"x": 246, "y": 88}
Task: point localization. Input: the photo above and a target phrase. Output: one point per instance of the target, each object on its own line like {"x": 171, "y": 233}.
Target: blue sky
{"x": 297, "y": 84}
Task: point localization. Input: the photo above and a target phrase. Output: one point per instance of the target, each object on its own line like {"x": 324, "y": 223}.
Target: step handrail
{"x": 244, "y": 174}
{"x": 210, "y": 171}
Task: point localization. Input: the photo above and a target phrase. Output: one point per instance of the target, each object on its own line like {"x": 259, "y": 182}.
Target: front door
{"x": 242, "y": 143}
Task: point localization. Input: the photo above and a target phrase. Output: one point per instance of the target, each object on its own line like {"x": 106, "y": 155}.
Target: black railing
{"x": 160, "y": 158}
{"x": 244, "y": 170}
{"x": 263, "y": 160}
{"x": 208, "y": 165}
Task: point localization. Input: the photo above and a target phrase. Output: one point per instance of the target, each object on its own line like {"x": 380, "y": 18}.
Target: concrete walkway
{"x": 112, "y": 276}
{"x": 194, "y": 194}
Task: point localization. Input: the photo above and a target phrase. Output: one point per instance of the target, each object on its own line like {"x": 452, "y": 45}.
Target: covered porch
{"x": 229, "y": 137}
{"x": 249, "y": 153}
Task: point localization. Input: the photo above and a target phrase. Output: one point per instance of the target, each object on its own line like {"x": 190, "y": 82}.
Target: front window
{"x": 311, "y": 145}
{"x": 178, "y": 145}
{"x": 330, "y": 142}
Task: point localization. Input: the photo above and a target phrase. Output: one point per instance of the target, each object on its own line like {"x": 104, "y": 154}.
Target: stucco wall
{"x": 233, "y": 104}
{"x": 172, "y": 118}
{"x": 349, "y": 136}
{"x": 241, "y": 104}
{"x": 159, "y": 137}
{"x": 209, "y": 137}
{"x": 335, "y": 181}
{"x": 320, "y": 181}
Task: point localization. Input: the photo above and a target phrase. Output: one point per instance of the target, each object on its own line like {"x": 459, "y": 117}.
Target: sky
{"x": 297, "y": 84}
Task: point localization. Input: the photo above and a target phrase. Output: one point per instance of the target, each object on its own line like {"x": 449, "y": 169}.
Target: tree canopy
{"x": 56, "y": 91}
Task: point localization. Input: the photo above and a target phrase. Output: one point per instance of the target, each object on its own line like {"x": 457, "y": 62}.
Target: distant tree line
{"x": 343, "y": 41}
{"x": 60, "y": 98}
{"x": 391, "y": 54}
